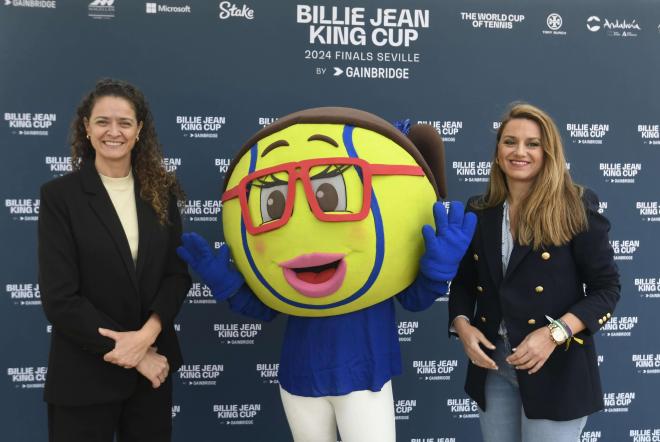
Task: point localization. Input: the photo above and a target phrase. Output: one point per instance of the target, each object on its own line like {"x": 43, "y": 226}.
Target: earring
{"x": 137, "y": 138}
{"x": 88, "y": 136}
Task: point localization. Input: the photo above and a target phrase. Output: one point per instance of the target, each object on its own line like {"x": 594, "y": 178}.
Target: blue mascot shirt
{"x": 335, "y": 355}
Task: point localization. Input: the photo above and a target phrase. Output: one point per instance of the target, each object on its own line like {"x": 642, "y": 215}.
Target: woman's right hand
{"x": 472, "y": 340}
{"x": 154, "y": 367}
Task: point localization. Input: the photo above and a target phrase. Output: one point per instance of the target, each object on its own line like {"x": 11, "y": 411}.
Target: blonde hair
{"x": 552, "y": 213}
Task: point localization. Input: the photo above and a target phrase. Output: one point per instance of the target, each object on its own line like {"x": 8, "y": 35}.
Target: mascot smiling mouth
{"x": 315, "y": 275}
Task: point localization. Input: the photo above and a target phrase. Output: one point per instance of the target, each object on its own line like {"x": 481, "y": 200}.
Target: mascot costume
{"x": 328, "y": 213}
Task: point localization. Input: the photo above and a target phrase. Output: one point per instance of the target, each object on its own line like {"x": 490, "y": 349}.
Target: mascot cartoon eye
{"x": 273, "y": 200}
{"x": 330, "y": 189}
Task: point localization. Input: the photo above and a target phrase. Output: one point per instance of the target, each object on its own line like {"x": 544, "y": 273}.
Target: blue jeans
{"x": 505, "y": 420}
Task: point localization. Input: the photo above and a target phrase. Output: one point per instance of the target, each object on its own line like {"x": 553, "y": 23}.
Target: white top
{"x": 122, "y": 195}
{"x": 507, "y": 248}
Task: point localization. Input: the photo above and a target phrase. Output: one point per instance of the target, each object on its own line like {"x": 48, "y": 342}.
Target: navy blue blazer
{"x": 579, "y": 277}
{"x": 88, "y": 280}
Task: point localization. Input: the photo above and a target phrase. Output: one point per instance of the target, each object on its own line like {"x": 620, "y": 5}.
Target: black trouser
{"x": 146, "y": 416}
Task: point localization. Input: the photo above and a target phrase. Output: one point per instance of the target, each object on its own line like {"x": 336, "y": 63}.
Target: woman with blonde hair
{"x": 537, "y": 283}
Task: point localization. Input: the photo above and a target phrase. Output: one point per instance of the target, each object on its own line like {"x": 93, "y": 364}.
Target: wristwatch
{"x": 557, "y": 334}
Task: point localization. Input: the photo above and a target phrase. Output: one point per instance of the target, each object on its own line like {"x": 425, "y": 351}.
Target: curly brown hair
{"x": 157, "y": 185}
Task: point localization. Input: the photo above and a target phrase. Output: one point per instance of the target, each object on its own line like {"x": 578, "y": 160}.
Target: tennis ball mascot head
{"x": 323, "y": 209}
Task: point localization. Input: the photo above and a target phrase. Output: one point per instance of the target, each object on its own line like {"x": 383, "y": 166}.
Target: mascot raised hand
{"x": 329, "y": 214}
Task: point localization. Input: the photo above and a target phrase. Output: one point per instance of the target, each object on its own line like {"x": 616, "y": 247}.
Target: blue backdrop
{"x": 215, "y": 72}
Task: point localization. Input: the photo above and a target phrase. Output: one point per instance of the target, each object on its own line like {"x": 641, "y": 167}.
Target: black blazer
{"x": 88, "y": 280}
{"x": 541, "y": 282}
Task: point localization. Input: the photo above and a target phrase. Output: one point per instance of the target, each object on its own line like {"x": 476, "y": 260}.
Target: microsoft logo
{"x": 151, "y": 8}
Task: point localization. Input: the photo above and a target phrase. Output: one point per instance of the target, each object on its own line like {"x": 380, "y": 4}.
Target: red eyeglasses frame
{"x": 299, "y": 170}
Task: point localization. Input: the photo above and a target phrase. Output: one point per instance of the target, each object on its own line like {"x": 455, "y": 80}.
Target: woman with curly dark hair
{"x": 111, "y": 282}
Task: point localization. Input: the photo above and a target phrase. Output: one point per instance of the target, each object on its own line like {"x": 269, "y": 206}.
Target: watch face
{"x": 557, "y": 335}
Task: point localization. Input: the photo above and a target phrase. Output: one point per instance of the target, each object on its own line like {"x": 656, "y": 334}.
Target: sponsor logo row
{"x": 326, "y": 19}
{"x": 108, "y": 9}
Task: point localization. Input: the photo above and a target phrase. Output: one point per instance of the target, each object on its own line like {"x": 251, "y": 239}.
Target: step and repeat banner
{"x": 215, "y": 72}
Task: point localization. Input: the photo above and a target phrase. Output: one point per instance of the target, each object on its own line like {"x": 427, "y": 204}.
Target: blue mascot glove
{"x": 446, "y": 245}
{"x": 215, "y": 270}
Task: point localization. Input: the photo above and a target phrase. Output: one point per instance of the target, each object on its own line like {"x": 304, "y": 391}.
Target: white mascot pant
{"x": 361, "y": 416}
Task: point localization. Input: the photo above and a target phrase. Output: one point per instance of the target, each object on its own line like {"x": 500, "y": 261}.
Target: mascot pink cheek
{"x": 260, "y": 247}
{"x": 315, "y": 275}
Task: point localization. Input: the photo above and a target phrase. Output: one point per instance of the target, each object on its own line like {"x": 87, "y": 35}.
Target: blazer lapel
{"x": 101, "y": 204}
{"x": 490, "y": 227}
{"x": 147, "y": 222}
{"x": 517, "y": 255}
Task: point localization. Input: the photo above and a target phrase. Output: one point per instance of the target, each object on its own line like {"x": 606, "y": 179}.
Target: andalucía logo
{"x": 593, "y": 23}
